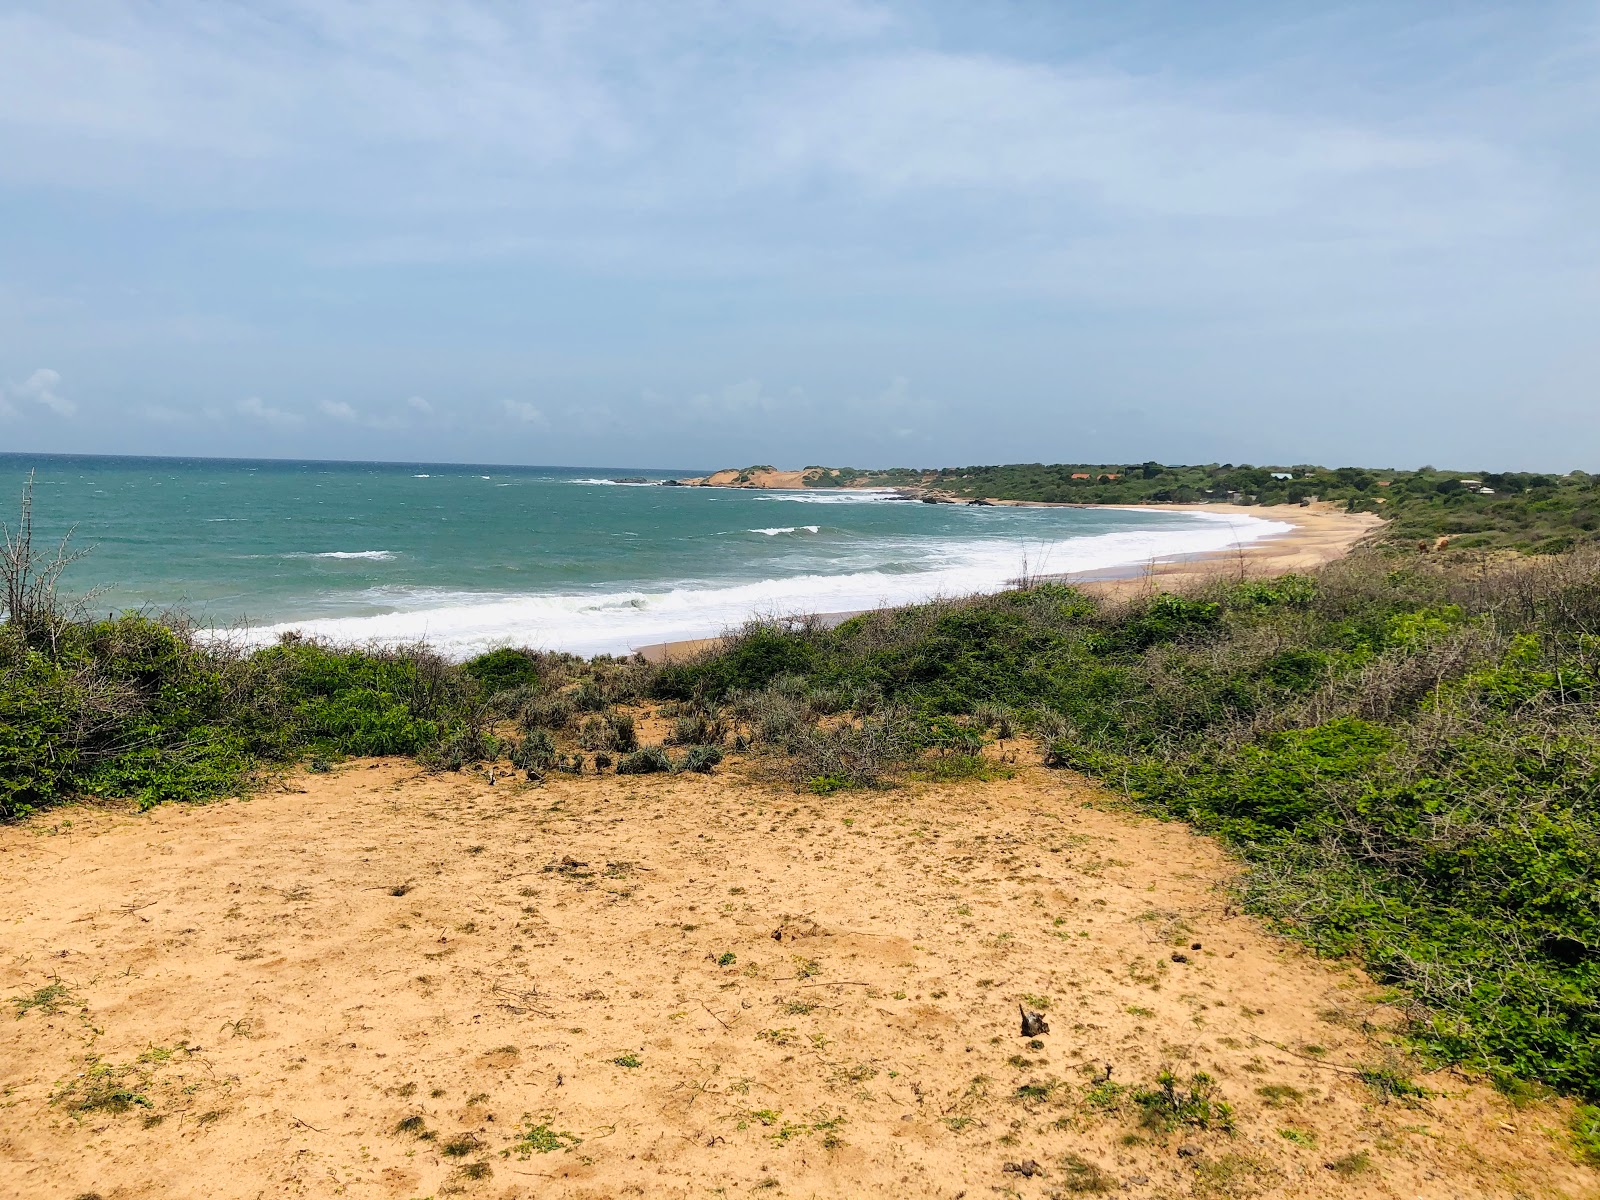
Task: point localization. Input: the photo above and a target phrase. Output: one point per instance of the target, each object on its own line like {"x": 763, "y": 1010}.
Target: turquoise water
{"x": 472, "y": 556}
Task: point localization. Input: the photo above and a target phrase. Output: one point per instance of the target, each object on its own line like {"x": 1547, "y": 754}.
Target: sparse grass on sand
{"x": 694, "y": 985}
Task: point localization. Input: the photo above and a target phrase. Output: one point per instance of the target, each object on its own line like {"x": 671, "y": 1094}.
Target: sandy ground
{"x": 685, "y": 986}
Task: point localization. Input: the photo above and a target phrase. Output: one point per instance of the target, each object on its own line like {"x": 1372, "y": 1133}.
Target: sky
{"x": 701, "y": 234}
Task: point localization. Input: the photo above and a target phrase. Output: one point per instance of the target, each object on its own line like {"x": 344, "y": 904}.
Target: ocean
{"x": 470, "y": 557}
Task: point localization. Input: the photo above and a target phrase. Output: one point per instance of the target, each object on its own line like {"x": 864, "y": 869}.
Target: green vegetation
{"x": 541, "y": 1139}
{"x": 48, "y": 1000}
{"x": 1586, "y": 1133}
{"x": 1171, "y": 1104}
{"x": 1531, "y": 511}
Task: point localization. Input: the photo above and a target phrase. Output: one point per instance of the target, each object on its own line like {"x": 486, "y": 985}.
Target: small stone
{"x": 1190, "y": 1151}
{"x": 1179, "y": 958}
{"x": 1195, "y": 946}
{"x": 1027, "y": 1168}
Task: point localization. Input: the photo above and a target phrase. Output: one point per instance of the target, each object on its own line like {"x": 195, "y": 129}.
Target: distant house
{"x": 1385, "y": 482}
{"x": 1283, "y": 474}
{"x": 1080, "y": 475}
{"x": 1470, "y": 483}
{"x": 1485, "y": 491}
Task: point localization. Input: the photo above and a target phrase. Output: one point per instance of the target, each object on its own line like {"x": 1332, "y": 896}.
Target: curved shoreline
{"x": 1321, "y": 533}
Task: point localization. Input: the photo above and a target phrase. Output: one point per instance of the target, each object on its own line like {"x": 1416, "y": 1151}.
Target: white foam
{"x": 841, "y": 496}
{"x": 422, "y": 477}
{"x": 376, "y": 555}
{"x": 774, "y": 532}
{"x": 461, "y": 624}
{"x": 616, "y": 483}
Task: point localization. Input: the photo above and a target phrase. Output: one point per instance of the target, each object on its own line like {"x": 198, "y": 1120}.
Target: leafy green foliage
{"x": 542, "y": 1139}
{"x": 1172, "y": 1103}
{"x": 504, "y": 670}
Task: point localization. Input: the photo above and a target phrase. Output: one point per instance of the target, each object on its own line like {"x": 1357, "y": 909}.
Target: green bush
{"x": 504, "y": 670}
{"x": 647, "y": 761}
{"x": 536, "y": 752}
{"x": 702, "y": 758}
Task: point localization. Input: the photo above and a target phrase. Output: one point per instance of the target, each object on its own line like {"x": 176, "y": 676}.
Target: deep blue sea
{"x": 474, "y": 556}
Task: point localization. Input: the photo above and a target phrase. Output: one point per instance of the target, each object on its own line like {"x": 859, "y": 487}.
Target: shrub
{"x": 504, "y": 670}
{"x": 554, "y": 711}
{"x": 465, "y": 746}
{"x": 702, "y": 758}
{"x": 613, "y": 731}
{"x": 536, "y": 752}
{"x": 698, "y": 729}
{"x": 646, "y": 761}
{"x": 1169, "y": 1104}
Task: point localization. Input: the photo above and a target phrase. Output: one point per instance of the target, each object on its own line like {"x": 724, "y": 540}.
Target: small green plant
{"x": 727, "y": 958}
{"x": 1300, "y": 1137}
{"x": 628, "y": 1060}
{"x": 1355, "y": 1163}
{"x": 1391, "y": 1084}
{"x": 960, "y": 768}
{"x": 1279, "y": 1094}
{"x": 1081, "y": 1177}
{"x": 412, "y": 1126}
{"x": 827, "y": 785}
{"x": 1105, "y": 1096}
{"x": 103, "y": 1088}
{"x": 541, "y": 1139}
{"x": 48, "y": 1000}
{"x": 1586, "y": 1133}
{"x": 1171, "y": 1104}
{"x": 476, "y": 1171}
{"x": 460, "y": 1146}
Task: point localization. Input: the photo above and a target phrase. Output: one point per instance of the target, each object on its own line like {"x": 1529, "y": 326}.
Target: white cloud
{"x": 418, "y": 405}
{"x": 528, "y": 414}
{"x": 41, "y": 388}
{"x": 339, "y": 411}
{"x": 1100, "y": 139}
{"x": 253, "y": 408}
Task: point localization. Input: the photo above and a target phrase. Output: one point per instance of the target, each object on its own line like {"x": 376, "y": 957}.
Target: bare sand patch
{"x": 379, "y": 983}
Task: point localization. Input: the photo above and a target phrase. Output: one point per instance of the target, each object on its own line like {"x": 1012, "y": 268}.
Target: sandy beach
{"x": 373, "y": 982}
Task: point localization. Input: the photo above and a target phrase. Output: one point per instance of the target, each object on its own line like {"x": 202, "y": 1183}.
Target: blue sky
{"x": 699, "y": 234}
